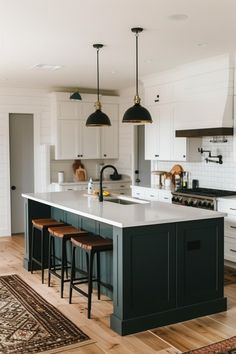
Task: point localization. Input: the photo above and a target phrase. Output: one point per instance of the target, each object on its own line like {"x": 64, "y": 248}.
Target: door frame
{"x": 22, "y": 109}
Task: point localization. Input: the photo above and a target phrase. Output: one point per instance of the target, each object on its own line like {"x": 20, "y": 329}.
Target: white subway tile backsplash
{"x": 210, "y": 175}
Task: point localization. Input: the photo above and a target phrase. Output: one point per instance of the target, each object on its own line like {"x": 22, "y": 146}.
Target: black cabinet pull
{"x": 184, "y": 155}
{"x": 233, "y": 227}
{"x": 231, "y": 249}
{"x": 156, "y": 155}
{"x": 105, "y": 155}
{"x": 232, "y": 209}
{"x": 13, "y": 188}
{"x": 157, "y": 100}
{"x": 193, "y": 245}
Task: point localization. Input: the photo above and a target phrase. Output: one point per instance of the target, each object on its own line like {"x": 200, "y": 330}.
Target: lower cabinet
{"x": 199, "y": 261}
{"x": 152, "y": 194}
{"x": 229, "y": 206}
{"x": 167, "y": 273}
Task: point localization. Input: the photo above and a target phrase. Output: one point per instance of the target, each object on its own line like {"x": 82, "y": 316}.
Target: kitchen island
{"x": 167, "y": 260}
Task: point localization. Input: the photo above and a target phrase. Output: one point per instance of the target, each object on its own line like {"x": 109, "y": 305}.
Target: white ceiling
{"x": 62, "y": 32}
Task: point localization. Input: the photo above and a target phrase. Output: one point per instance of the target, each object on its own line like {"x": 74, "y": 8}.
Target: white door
{"x": 21, "y": 166}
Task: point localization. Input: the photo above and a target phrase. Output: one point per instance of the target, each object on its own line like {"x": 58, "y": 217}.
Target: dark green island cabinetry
{"x": 161, "y": 273}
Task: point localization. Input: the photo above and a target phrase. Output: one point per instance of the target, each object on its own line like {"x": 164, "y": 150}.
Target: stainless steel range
{"x": 200, "y": 197}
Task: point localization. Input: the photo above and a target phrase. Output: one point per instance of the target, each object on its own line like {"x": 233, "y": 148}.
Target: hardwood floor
{"x": 171, "y": 339}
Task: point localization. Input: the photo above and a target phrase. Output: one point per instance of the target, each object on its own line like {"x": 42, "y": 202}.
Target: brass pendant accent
{"x": 98, "y": 105}
{"x": 137, "y": 99}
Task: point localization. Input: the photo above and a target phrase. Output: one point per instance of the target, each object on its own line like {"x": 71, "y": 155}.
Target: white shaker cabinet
{"x": 160, "y": 141}
{"x": 110, "y": 135}
{"x": 72, "y": 139}
{"x": 228, "y": 205}
{"x": 158, "y": 134}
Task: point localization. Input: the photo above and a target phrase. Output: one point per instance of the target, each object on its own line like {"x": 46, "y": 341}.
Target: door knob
{"x": 13, "y": 188}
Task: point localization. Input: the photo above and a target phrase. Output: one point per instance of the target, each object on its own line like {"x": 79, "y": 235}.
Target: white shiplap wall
{"x": 34, "y": 102}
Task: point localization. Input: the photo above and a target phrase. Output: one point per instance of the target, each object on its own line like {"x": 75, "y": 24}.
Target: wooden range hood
{"x": 194, "y": 133}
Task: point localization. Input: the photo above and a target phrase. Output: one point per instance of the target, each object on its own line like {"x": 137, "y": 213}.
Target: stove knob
{"x": 190, "y": 202}
{"x": 186, "y": 202}
{"x": 204, "y": 204}
{"x": 200, "y": 204}
{"x": 195, "y": 203}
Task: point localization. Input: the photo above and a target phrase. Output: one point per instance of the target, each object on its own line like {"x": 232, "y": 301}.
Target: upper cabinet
{"x": 160, "y": 141}
{"x": 71, "y": 137}
{"x": 159, "y": 94}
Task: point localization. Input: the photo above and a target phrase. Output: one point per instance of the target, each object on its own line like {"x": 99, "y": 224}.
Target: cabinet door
{"x": 158, "y": 137}
{"x": 68, "y": 142}
{"x": 179, "y": 145}
{"x": 109, "y": 141}
{"x": 165, "y": 135}
{"x": 152, "y": 135}
{"x": 149, "y": 258}
{"x": 109, "y": 135}
{"x": 90, "y": 136}
{"x": 199, "y": 261}
{"x": 159, "y": 94}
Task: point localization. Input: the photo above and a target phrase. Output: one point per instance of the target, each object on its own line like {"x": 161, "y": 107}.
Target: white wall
{"x": 34, "y": 102}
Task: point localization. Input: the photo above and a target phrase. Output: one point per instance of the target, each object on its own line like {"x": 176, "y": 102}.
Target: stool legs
{"x": 98, "y": 275}
{"x": 90, "y": 282}
{"x": 42, "y": 254}
{"x": 72, "y": 273}
{"x": 42, "y": 237}
{"x": 32, "y": 249}
{"x": 63, "y": 246}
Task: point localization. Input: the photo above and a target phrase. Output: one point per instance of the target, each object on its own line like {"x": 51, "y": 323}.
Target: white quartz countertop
{"x": 146, "y": 213}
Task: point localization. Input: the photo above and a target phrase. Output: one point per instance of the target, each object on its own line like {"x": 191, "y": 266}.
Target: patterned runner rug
{"x": 29, "y": 324}
{"x": 227, "y": 346}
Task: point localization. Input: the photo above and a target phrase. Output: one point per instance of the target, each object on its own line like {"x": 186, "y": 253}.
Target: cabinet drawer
{"x": 228, "y": 207}
{"x": 165, "y": 196}
{"x": 152, "y": 194}
{"x": 230, "y": 226}
{"x": 230, "y": 249}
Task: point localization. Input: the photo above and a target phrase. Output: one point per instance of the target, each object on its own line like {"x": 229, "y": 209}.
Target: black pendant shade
{"x": 98, "y": 118}
{"x": 76, "y": 96}
{"x": 137, "y": 114}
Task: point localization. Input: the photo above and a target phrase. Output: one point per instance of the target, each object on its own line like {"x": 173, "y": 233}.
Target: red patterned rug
{"x": 29, "y": 324}
{"x": 227, "y": 346}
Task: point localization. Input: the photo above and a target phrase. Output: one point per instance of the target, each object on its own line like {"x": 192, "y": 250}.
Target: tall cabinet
{"x": 71, "y": 137}
{"x": 160, "y": 141}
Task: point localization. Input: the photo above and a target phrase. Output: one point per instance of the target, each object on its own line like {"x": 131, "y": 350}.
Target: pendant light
{"x": 137, "y": 114}
{"x": 98, "y": 118}
{"x": 75, "y": 96}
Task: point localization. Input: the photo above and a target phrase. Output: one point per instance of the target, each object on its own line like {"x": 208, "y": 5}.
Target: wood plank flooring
{"x": 173, "y": 339}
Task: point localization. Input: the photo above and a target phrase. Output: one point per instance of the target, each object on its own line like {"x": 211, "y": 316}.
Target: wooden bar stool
{"x": 41, "y": 225}
{"x": 91, "y": 244}
{"x": 63, "y": 233}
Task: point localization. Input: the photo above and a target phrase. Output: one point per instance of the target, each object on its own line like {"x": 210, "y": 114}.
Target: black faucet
{"x": 101, "y": 173}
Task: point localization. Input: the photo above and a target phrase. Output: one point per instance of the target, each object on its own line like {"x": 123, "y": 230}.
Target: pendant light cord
{"x": 98, "y": 74}
{"x": 136, "y": 35}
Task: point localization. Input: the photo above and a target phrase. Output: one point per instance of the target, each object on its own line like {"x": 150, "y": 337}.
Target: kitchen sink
{"x": 124, "y": 201}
